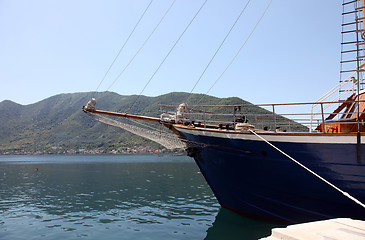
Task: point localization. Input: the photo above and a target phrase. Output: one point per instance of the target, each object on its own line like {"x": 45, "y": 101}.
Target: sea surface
{"x": 114, "y": 197}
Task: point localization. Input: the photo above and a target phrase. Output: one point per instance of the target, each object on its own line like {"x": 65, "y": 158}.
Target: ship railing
{"x": 343, "y": 90}
{"x": 286, "y": 117}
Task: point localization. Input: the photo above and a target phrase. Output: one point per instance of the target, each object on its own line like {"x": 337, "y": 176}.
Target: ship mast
{"x": 360, "y": 36}
{"x": 353, "y": 55}
{"x": 353, "y": 45}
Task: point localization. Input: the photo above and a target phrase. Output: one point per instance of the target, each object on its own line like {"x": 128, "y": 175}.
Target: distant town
{"x": 122, "y": 150}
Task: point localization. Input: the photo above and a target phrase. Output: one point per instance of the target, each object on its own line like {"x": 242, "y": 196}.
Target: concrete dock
{"x": 333, "y": 229}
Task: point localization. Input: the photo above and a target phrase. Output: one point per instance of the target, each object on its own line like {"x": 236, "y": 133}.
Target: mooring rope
{"x": 346, "y": 194}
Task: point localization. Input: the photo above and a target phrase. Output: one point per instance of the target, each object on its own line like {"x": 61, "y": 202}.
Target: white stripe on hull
{"x": 272, "y": 137}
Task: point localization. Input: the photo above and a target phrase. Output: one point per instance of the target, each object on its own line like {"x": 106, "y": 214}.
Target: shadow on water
{"x": 229, "y": 225}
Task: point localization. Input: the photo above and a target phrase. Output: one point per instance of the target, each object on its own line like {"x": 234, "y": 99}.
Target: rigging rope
{"x": 234, "y": 58}
{"x": 228, "y": 33}
{"x": 167, "y": 55}
{"x": 121, "y": 49}
{"x": 142, "y": 46}
{"x": 306, "y": 168}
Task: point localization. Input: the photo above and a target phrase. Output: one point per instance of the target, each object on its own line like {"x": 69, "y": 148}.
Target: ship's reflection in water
{"x": 229, "y": 225}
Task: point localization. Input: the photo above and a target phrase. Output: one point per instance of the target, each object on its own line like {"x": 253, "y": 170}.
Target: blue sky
{"x": 49, "y": 47}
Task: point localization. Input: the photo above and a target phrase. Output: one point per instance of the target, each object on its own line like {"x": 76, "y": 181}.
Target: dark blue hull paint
{"x": 253, "y": 178}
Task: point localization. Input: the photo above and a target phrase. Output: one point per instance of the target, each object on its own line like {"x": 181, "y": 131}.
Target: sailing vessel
{"x": 265, "y": 164}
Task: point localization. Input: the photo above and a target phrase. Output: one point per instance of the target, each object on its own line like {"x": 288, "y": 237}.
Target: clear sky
{"x": 48, "y": 47}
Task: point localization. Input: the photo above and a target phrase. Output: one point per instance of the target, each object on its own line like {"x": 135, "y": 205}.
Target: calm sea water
{"x": 113, "y": 197}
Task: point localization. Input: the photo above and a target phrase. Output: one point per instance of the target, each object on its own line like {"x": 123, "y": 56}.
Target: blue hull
{"x": 253, "y": 178}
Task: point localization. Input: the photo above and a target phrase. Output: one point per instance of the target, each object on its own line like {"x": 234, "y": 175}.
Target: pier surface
{"x": 334, "y": 229}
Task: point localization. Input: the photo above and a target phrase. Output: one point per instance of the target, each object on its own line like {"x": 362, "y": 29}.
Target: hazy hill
{"x": 58, "y": 122}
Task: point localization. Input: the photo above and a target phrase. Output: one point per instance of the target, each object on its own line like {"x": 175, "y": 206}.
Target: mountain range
{"x": 58, "y": 124}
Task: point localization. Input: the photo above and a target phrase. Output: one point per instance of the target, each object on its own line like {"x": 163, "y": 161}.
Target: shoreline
{"x": 128, "y": 151}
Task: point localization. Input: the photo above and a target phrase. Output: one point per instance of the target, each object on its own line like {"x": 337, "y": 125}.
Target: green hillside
{"x": 57, "y": 124}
